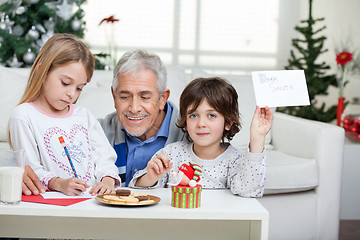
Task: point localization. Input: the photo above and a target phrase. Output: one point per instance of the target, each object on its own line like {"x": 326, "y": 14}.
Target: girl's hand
{"x": 260, "y": 126}
{"x": 156, "y": 168}
{"x": 106, "y": 186}
{"x": 70, "y": 186}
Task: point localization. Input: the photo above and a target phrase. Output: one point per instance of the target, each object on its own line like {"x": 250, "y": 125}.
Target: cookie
{"x": 123, "y": 192}
{"x": 146, "y": 202}
{"x": 130, "y": 200}
{"x": 110, "y": 197}
{"x": 138, "y": 194}
{"x": 142, "y": 197}
{"x": 117, "y": 201}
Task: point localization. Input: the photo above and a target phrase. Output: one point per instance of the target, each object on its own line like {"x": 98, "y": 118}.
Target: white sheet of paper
{"x": 280, "y": 88}
{"x": 59, "y": 195}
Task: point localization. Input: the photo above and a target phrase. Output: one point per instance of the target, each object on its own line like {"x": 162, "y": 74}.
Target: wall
{"x": 342, "y": 19}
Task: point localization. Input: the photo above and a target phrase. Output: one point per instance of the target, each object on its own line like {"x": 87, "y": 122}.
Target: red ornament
{"x": 343, "y": 58}
{"x": 351, "y": 125}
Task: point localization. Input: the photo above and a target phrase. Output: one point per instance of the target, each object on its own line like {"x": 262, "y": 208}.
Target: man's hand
{"x": 31, "y": 183}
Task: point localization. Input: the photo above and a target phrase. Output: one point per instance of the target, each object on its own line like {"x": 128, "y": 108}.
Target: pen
{"x": 62, "y": 142}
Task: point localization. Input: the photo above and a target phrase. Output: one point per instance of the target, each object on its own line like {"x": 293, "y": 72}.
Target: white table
{"x": 222, "y": 215}
{"x": 350, "y": 191}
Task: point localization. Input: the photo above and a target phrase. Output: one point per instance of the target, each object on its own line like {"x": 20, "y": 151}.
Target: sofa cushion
{"x": 96, "y": 95}
{"x": 286, "y": 173}
{"x": 12, "y": 85}
{"x": 176, "y": 82}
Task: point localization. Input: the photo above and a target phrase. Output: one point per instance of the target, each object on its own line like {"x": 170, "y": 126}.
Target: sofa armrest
{"x": 325, "y": 143}
{"x": 305, "y": 138}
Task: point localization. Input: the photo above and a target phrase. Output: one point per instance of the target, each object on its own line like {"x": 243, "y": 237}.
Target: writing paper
{"x": 280, "y": 88}
{"x": 59, "y": 195}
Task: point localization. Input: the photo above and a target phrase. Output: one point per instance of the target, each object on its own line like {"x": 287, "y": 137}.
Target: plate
{"x": 100, "y": 198}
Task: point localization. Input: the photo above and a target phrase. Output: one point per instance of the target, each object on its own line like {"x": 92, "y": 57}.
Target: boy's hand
{"x": 262, "y": 121}
{"x": 106, "y": 186}
{"x": 158, "y": 166}
{"x": 70, "y": 186}
{"x": 260, "y": 126}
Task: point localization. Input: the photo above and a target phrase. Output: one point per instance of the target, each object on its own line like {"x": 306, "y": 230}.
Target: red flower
{"x": 343, "y": 58}
{"x": 111, "y": 19}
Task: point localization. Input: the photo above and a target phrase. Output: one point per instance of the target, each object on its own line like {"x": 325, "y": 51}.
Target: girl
{"x": 209, "y": 114}
{"x": 63, "y": 143}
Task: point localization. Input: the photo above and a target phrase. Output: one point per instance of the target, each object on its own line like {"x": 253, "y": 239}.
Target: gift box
{"x": 185, "y": 196}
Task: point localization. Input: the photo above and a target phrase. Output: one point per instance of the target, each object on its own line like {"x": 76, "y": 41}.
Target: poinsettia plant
{"x": 342, "y": 59}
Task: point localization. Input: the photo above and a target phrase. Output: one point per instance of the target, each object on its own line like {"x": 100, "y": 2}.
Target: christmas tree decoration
{"x": 33, "y": 1}
{"x": 40, "y": 28}
{"x": 33, "y": 33}
{"x": 15, "y": 7}
{"x": 49, "y": 32}
{"x": 29, "y": 56}
{"x": 7, "y": 24}
{"x": 20, "y": 10}
{"x": 309, "y": 48}
{"x": 18, "y": 30}
{"x": 14, "y": 62}
{"x": 28, "y": 24}
{"x": 76, "y": 24}
{"x": 65, "y": 10}
{"x": 2, "y": 21}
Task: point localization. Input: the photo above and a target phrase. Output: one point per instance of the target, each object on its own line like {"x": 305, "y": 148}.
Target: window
{"x": 219, "y": 36}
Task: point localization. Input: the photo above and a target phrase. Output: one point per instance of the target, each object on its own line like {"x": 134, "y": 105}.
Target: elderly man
{"x": 144, "y": 120}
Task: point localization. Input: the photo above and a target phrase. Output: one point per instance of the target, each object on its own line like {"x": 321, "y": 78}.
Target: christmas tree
{"x": 25, "y": 25}
{"x": 309, "y": 48}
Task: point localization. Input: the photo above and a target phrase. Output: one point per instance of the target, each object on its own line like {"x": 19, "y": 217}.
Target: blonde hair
{"x": 59, "y": 50}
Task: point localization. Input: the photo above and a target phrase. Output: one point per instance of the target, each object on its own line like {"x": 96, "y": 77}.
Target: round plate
{"x": 100, "y": 198}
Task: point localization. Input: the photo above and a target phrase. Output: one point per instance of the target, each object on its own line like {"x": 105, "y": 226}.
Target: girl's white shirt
{"x": 38, "y": 132}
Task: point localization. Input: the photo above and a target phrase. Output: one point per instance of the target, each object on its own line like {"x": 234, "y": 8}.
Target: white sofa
{"x": 302, "y": 190}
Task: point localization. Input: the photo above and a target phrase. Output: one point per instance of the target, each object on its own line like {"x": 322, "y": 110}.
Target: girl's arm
{"x": 260, "y": 126}
{"x": 105, "y": 157}
{"x": 22, "y": 137}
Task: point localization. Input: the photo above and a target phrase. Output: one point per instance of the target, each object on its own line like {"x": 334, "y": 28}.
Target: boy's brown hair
{"x": 220, "y": 95}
